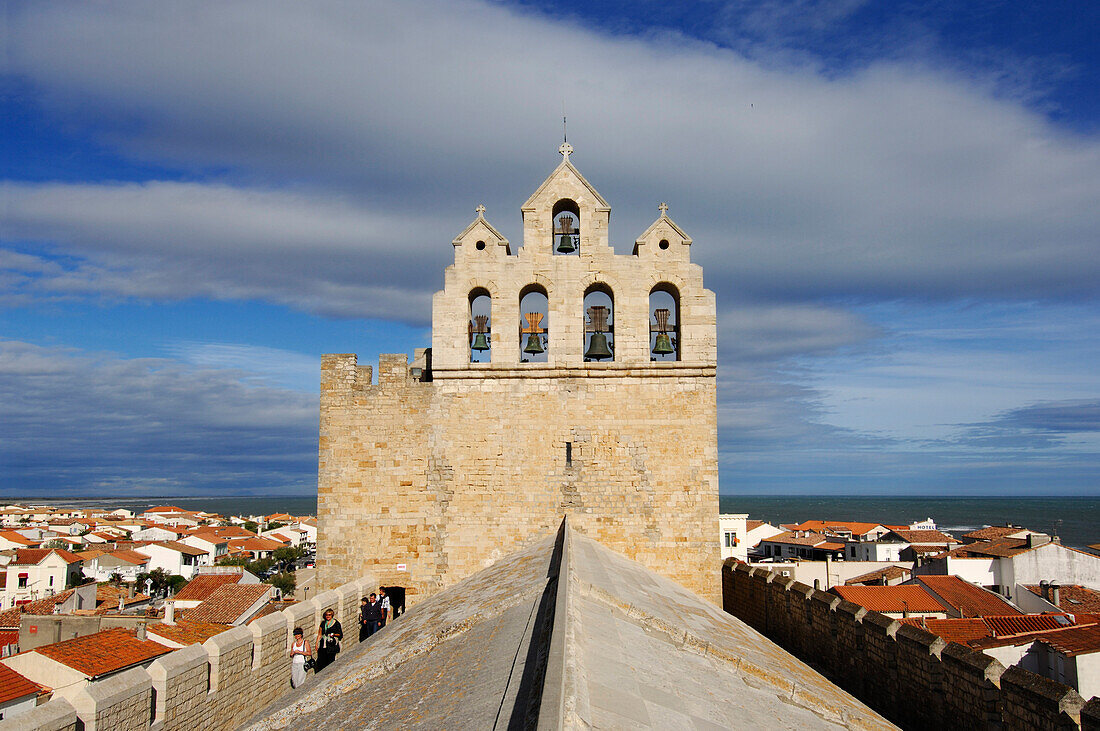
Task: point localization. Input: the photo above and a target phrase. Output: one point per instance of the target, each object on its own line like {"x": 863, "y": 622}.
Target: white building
{"x": 37, "y": 573}
{"x": 738, "y": 535}
{"x": 175, "y": 558}
{"x": 214, "y": 546}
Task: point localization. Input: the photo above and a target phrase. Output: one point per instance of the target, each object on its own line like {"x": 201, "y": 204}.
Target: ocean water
{"x": 1076, "y": 520}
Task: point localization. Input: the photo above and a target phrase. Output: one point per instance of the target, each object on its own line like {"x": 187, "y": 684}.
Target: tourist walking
{"x": 387, "y": 613}
{"x": 300, "y": 651}
{"x": 370, "y": 616}
{"x": 329, "y": 635}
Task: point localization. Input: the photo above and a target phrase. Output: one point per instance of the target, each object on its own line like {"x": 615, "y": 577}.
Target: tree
{"x": 162, "y": 580}
{"x": 55, "y": 543}
{"x": 115, "y": 579}
{"x": 274, "y": 525}
{"x": 284, "y": 582}
{"x": 251, "y": 526}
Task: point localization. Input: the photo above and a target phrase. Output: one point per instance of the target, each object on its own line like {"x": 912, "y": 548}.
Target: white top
{"x": 300, "y": 647}
{"x": 385, "y": 603}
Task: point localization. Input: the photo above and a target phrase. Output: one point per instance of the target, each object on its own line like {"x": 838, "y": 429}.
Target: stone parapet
{"x": 214, "y": 685}
{"x": 911, "y": 676}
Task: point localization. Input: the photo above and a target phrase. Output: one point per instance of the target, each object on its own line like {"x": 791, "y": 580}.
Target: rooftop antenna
{"x": 565, "y": 148}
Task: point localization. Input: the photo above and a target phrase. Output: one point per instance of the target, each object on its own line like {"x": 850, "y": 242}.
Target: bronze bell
{"x": 663, "y": 345}
{"x": 480, "y": 342}
{"x": 597, "y": 347}
{"x": 565, "y": 244}
{"x": 534, "y": 345}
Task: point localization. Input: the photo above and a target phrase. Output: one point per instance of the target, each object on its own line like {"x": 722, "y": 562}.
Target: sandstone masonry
{"x": 445, "y": 465}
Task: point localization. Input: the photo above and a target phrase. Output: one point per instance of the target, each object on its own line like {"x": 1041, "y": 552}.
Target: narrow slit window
{"x": 569, "y": 454}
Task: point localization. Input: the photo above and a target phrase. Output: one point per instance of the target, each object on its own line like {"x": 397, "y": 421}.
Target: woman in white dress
{"x": 300, "y": 651}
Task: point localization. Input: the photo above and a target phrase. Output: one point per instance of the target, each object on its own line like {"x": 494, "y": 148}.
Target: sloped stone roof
{"x": 567, "y": 634}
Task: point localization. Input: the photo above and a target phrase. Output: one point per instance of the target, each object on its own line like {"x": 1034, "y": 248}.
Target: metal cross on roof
{"x": 480, "y": 210}
{"x": 566, "y": 150}
{"x": 663, "y": 208}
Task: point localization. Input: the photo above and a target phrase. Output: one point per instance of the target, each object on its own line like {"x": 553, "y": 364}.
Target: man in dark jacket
{"x": 370, "y": 617}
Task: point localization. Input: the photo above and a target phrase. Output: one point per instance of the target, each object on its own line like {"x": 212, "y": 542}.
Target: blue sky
{"x": 897, "y": 204}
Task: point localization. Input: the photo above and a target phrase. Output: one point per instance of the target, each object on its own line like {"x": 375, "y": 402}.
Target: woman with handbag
{"x": 301, "y": 657}
{"x": 329, "y": 635}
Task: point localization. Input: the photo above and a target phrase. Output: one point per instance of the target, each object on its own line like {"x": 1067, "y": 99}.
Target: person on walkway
{"x": 371, "y": 616}
{"x": 387, "y": 613}
{"x": 329, "y": 635}
{"x": 300, "y": 651}
{"x": 364, "y": 631}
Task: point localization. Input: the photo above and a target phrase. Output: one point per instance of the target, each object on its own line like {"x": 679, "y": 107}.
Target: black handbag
{"x": 309, "y": 664}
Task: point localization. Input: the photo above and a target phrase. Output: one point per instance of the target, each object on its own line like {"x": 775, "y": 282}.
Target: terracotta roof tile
{"x": 186, "y": 631}
{"x": 893, "y": 599}
{"x": 925, "y": 536}
{"x": 1073, "y": 598}
{"x": 962, "y": 631}
{"x": 992, "y": 531}
{"x": 130, "y": 556}
{"x": 103, "y": 652}
{"x": 16, "y": 538}
{"x": 46, "y": 604}
{"x": 753, "y": 524}
{"x": 106, "y": 595}
{"x": 255, "y": 544}
{"x": 968, "y": 599}
{"x": 811, "y": 539}
{"x": 886, "y": 572}
{"x": 181, "y": 547}
{"x": 1075, "y": 641}
{"x": 995, "y": 547}
{"x": 8, "y": 637}
{"x": 10, "y": 617}
{"x": 202, "y": 586}
{"x": 13, "y": 685}
{"x": 824, "y": 526}
{"x": 228, "y": 602}
{"x": 34, "y": 556}
{"x": 1027, "y": 623}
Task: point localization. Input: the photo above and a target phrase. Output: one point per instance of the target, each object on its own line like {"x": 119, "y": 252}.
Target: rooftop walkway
{"x": 567, "y": 634}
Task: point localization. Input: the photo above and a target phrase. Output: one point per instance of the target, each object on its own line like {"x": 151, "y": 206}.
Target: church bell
{"x": 662, "y": 345}
{"x": 534, "y": 345}
{"x": 597, "y": 347}
{"x": 480, "y": 342}
{"x": 565, "y": 244}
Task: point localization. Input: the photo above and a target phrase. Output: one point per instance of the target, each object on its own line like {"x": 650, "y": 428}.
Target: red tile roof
{"x": 202, "y": 586}
{"x": 753, "y": 524}
{"x": 165, "y": 509}
{"x": 925, "y": 536}
{"x": 34, "y": 556}
{"x": 46, "y": 604}
{"x": 8, "y": 637}
{"x": 997, "y": 547}
{"x": 962, "y": 631}
{"x": 255, "y": 544}
{"x": 885, "y": 573}
{"x": 186, "y": 632}
{"x": 992, "y": 531}
{"x": 10, "y": 617}
{"x": 1027, "y": 623}
{"x": 106, "y": 596}
{"x": 181, "y": 547}
{"x": 130, "y": 556}
{"x": 1075, "y": 641}
{"x": 228, "y": 603}
{"x": 968, "y": 599}
{"x": 810, "y": 539}
{"x": 825, "y": 526}
{"x": 893, "y": 599}
{"x": 13, "y": 685}
{"x": 1073, "y": 598}
{"x": 17, "y": 538}
{"x": 103, "y": 652}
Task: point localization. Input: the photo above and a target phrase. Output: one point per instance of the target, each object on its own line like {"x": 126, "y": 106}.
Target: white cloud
{"x": 894, "y": 181}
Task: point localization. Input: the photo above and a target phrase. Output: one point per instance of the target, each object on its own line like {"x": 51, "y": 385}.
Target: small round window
{"x": 481, "y": 245}
{"x": 663, "y": 244}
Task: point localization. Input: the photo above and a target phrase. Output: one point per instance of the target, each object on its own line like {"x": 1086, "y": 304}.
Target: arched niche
{"x": 566, "y": 240}
{"x": 664, "y": 320}
{"x": 534, "y": 324}
{"x": 480, "y": 325}
{"x": 599, "y": 323}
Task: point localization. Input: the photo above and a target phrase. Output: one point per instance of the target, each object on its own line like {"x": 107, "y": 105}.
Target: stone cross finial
{"x": 566, "y": 150}
{"x": 480, "y": 211}
{"x": 663, "y": 208}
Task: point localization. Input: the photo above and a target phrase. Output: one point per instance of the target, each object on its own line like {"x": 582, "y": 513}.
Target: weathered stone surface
{"x": 424, "y": 483}
{"x": 568, "y": 634}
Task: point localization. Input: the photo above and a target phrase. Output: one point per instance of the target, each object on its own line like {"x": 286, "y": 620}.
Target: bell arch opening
{"x": 599, "y": 323}
{"x": 534, "y": 326}
{"x": 566, "y": 240}
{"x": 664, "y": 322}
{"x": 480, "y": 325}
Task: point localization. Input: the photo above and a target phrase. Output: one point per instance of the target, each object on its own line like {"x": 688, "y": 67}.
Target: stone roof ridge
{"x": 551, "y": 624}
{"x": 483, "y": 223}
{"x": 566, "y": 165}
{"x": 663, "y": 220}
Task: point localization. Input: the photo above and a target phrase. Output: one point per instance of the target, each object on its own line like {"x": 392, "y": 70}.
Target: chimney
{"x": 1055, "y": 594}
{"x": 1037, "y": 539}
{"x": 141, "y": 630}
{"x": 1044, "y": 589}
{"x": 169, "y": 612}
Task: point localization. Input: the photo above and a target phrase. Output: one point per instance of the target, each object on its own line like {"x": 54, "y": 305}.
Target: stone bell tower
{"x": 563, "y": 379}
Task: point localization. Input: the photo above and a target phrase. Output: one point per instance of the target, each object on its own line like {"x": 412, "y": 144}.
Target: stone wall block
{"x": 57, "y": 714}
{"x": 179, "y": 678}
{"x": 1036, "y": 703}
{"x": 920, "y": 676}
{"x": 1090, "y": 715}
{"x": 971, "y": 688}
{"x": 122, "y": 702}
